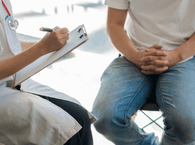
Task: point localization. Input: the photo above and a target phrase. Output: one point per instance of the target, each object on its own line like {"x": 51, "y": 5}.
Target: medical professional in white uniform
{"x": 35, "y": 114}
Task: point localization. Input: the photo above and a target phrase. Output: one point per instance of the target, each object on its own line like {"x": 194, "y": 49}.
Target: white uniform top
{"x": 7, "y": 43}
{"x": 24, "y": 117}
{"x": 164, "y": 22}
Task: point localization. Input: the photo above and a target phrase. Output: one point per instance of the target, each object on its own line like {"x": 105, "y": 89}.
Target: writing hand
{"x": 53, "y": 41}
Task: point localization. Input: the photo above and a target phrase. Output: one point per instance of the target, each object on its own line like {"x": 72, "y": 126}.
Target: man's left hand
{"x": 157, "y": 64}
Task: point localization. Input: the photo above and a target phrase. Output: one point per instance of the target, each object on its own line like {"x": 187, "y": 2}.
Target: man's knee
{"x": 107, "y": 123}
{"x": 183, "y": 127}
{"x": 101, "y": 125}
{"x": 186, "y": 128}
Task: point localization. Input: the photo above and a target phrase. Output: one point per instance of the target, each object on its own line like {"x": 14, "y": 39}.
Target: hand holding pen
{"x": 54, "y": 40}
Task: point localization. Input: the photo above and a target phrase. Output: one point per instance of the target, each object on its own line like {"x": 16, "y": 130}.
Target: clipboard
{"x": 77, "y": 37}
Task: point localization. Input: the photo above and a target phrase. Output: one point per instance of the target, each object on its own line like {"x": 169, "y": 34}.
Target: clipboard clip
{"x": 82, "y": 29}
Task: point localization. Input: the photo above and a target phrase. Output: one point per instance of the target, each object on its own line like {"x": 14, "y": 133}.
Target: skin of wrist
{"x": 132, "y": 56}
{"x": 40, "y": 48}
{"x": 37, "y": 49}
{"x": 178, "y": 51}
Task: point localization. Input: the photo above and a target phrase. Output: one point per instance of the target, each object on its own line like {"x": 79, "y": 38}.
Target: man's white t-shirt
{"x": 165, "y": 22}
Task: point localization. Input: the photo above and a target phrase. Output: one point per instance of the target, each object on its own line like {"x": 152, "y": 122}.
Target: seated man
{"x": 36, "y": 114}
{"x": 157, "y": 47}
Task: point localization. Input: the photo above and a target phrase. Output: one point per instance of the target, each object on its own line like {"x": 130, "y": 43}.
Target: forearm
{"x": 12, "y": 65}
{"x": 121, "y": 41}
{"x": 187, "y": 49}
{"x": 49, "y": 43}
{"x": 25, "y": 44}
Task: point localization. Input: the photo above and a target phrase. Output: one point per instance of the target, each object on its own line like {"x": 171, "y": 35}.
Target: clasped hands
{"x": 155, "y": 60}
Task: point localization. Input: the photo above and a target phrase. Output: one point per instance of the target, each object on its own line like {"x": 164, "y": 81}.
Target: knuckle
{"x": 61, "y": 45}
{"x": 161, "y": 63}
{"x": 150, "y": 58}
{"x": 65, "y": 30}
{"x": 57, "y": 27}
{"x": 149, "y": 67}
{"x": 156, "y": 62}
{"x": 165, "y": 63}
{"x": 63, "y": 41}
{"x": 66, "y": 36}
{"x": 166, "y": 67}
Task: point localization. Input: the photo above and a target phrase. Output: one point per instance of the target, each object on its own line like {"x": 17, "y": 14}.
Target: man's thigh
{"x": 176, "y": 97}
{"x": 124, "y": 89}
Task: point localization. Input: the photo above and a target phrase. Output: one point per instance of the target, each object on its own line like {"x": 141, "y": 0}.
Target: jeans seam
{"x": 135, "y": 96}
{"x": 133, "y": 99}
{"x": 160, "y": 92}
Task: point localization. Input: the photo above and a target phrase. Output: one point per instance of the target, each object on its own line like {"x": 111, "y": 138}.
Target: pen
{"x": 47, "y": 29}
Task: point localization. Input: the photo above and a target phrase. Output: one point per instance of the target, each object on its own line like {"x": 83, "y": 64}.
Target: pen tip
{"x": 41, "y": 28}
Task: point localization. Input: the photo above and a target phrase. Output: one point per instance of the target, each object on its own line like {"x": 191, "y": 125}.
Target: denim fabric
{"x": 124, "y": 90}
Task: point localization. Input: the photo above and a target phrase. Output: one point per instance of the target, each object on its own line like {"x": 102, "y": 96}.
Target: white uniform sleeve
{"x": 117, "y": 4}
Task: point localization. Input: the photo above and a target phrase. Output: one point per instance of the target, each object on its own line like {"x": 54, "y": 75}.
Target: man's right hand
{"x": 53, "y": 41}
{"x": 156, "y": 55}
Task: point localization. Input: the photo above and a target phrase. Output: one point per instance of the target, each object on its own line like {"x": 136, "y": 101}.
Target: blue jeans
{"x": 124, "y": 90}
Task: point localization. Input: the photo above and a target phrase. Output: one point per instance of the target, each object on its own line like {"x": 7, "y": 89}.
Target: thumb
{"x": 157, "y": 46}
{"x": 152, "y": 48}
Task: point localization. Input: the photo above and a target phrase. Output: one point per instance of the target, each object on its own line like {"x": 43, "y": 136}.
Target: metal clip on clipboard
{"x": 82, "y": 31}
